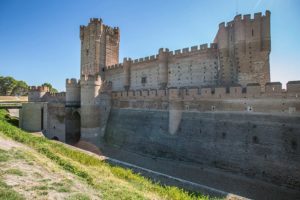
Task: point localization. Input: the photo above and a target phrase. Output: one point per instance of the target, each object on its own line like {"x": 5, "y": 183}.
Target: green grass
{"x": 4, "y": 157}
{"x": 14, "y": 172}
{"x": 78, "y": 197}
{"x": 113, "y": 182}
{"x": 7, "y": 193}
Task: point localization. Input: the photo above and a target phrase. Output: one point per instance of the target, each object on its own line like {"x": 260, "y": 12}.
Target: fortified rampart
{"x": 236, "y": 98}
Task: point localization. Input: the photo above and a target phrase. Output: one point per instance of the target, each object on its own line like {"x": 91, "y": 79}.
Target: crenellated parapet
{"x": 73, "y": 82}
{"x": 113, "y": 67}
{"x": 72, "y": 92}
{"x": 39, "y": 89}
{"x": 36, "y": 93}
{"x": 251, "y": 91}
{"x": 245, "y": 18}
{"x": 198, "y": 49}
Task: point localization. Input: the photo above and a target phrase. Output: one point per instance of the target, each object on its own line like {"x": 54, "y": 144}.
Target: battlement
{"x": 39, "y": 89}
{"x": 112, "y": 31}
{"x": 56, "y": 94}
{"x": 245, "y": 18}
{"x": 252, "y": 90}
{"x": 116, "y": 66}
{"x": 96, "y": 20}
{"x": 73, "y": 82}
{"x": 203, "y": 48}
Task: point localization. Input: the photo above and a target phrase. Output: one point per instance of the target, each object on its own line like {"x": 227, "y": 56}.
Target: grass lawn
{"x": 111, "y": 181}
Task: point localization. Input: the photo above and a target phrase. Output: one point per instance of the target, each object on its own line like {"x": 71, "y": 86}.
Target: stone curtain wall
{"x": 260, "y": 146}
{"x": 190, "y": 67}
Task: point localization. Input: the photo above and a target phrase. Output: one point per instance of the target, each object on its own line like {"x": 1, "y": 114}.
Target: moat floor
{"x": 215, "y": 178}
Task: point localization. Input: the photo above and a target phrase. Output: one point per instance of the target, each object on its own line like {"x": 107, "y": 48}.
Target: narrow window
{"x": 252, "y": 33}
{"x": 144, "y": 80}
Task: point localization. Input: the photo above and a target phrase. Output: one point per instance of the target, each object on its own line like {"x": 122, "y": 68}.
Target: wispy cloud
{"x": 257, "y": 4}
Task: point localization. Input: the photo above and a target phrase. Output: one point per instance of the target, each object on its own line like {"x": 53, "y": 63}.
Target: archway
{"x": 72, "y": 127}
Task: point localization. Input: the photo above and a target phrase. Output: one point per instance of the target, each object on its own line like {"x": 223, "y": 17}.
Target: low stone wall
{"x": 260, "y": 146}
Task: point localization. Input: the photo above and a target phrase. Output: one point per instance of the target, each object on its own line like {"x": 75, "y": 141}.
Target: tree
{"x": 7, "y": 84}
{"x": 21, "y": 88}
{"x": 51, "y": 89}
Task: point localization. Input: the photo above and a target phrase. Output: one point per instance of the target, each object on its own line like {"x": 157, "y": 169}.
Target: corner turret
{"x": 72, "y": 92}
{"x": 244, "y": 45}
{"x": 90, "y": 108}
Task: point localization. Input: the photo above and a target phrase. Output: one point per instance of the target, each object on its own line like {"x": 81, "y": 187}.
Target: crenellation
{"x": 236, "y": 91}
{"x": 222, "y": 25}
{"x": 220, "y": 92}
{"x": 178, "y": 51}
{"x": 213, "y": 46}
{"x": 293, "y": 87}
{"x": 186, "y": 50}
{"x": 247, "y": 17}
{"x": 273, "y": 88}
{"x": 257, "y": 15}
{"x": 238, "y": 17}
{"x": 203, "y": 46}
{"x": 253, "y": 90}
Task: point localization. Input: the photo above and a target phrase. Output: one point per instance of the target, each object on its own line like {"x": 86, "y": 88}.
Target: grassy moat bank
{"x": 70, "y": 170}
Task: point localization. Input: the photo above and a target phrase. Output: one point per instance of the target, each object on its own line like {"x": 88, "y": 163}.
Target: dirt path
{"x": 36, "y": 177}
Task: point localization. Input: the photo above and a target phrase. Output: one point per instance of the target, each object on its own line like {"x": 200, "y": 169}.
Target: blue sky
{"x": 39, "y": 39}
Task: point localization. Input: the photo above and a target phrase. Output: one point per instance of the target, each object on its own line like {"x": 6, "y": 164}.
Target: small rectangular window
{"x": 144, "y": 80}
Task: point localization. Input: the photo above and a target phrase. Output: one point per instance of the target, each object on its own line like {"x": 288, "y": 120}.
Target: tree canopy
{"x": 50, "y": 87}
{"x": 12, "y": 87}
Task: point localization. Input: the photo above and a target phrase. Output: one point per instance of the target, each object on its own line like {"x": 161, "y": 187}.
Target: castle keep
{"x": 209, "y": 105}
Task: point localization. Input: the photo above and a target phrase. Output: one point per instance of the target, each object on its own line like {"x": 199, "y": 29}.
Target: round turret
{"x": 90, "y": 108}
{"x": 72, "y": 91}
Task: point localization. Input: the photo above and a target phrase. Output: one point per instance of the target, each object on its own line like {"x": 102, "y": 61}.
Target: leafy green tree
{"x": 21, "y": 88}
{"x": 10, "y": 86}
{"x": 50, "y": 87}
{"x": 7, "y": 84}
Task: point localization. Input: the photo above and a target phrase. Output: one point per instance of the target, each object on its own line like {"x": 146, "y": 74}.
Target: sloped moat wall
{"x": 261, "y": 146}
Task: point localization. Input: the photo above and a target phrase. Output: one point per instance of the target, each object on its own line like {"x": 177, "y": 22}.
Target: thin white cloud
{"x": 257, "y": 4}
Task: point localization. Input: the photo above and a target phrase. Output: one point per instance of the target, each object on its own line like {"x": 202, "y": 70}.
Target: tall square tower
{"x": 99, "y": 47}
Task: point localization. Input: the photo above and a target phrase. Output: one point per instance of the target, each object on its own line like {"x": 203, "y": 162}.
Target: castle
{"x": 151, "y": 105}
